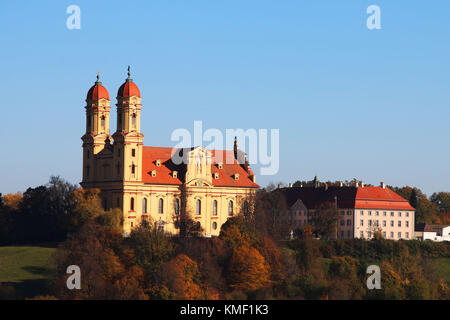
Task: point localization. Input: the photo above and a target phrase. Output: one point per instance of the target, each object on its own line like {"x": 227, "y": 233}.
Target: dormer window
{"x": 216, "y": 175}
{"x": 175, "y": 174}
{"x": 236, "y": 176}
{"x": 158, "y": 163}
{"x": 153, "y": 173}
{"x": 220, "y": 165}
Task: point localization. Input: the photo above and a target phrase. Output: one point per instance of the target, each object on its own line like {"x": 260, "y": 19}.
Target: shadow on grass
{"x": 24, "y": 289}
{"x": 28, "y": 288}
{"x": 41, "y": 271}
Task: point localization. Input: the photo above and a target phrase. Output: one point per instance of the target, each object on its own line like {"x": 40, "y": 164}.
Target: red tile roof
{"x": 379, "y": 198}
{"x": 347, "y": 197}
{"x": 128, "y": 89}
{"x": 97, "y": 92}
{"x": 165, "y": 170}
{"x": 434, "y": 227}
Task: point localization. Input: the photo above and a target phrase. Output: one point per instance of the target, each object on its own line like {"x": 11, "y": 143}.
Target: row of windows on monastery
{"x": 370, "y": 223}
{"x": 349, "y": 213}
{"x": 369, "y": 234}
{"x": 176, "y": 205}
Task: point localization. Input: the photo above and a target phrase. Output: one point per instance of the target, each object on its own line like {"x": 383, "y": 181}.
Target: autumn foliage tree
{"x": 248, "y": 270}
{"x": 182, "y": 277}
{"x": 108, "y": 270}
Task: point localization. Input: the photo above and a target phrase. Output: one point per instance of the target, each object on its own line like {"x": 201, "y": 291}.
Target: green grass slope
{"x": 25, "y": 271}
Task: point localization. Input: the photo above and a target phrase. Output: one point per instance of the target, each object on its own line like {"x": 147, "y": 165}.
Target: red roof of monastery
{"x": 379, "y": 198}
{"x": 164, "y": 172}
{"x": 347, "y": 197}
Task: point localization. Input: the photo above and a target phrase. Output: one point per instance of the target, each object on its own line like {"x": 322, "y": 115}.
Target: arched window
{"x": 144, "y": 205}
{"x": 215, "y": 208}
{"x": 133, "y": 119}
{"x": 133, "y": 169}
{"x": 199, "y": 207}
{"x": 132, "y": 204}
{"x": 161, "y": 206}
{"x": 177, "y": 206}
{"x": 214, "y": 225}
{"x": 102, "y": 122}
{"x": 230, "y": 208}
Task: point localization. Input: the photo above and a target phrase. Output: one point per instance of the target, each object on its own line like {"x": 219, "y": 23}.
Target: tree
{"x": 248, "y": 270}
{"x": 270, "y": 214}
{"x": 108, "y": 269}
{"x": 325, "y": 220}
{"x": 182, "y": 277}
{"x": 152, "y": 248}
{"x": 88, "y": 207}
{"x": 442, "y": 200}
{"x": 344, "y": 279}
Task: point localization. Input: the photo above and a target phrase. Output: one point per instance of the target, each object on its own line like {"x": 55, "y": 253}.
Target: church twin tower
{"x": 144, "y": 182}
{"x": 128, "y": 140}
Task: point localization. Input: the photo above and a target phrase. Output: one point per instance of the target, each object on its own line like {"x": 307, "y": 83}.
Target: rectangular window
{"x": 407, "y": 214}
{"x": 407, "y": 235}
{"x": 407, "y": 223}
{"x": 377, "y": 213}
{"x": 384, "y": 223}
{"x": 348, "y": 234}
{"x": 349, "y": 222}
{"x": 370, "y": 213}
{"x": 133, "y": 152}
{"x": 342, "y": 222}
{"x": 361, "y": 223}
{"x": 392, "y": 223}
{"x": 399, "y": 223}
{"x": 384, "y": 234}
{"x": 392, "y": 214}
{"x": 362, "y": 212}
{"x": 370, "y": 223}
{"x": 399, "y": 214}
{"x": 384, "y": 214}
{"x": 361, "y": 234}
{"x": 399, "y": 235}
{"x": 392, "y": 235}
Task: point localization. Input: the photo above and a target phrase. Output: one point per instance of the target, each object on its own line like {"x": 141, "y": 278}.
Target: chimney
{"x": 301, "y": 186}
{"x": 326, "y": 186}
{"x": 362, "y": 184}
{"x": 280, "y": 186}
{"x": 383, "y": 185}
{"x": 357, "y": 184}
{"x": 290, "y": 185}
{"x": 341, "y": 184}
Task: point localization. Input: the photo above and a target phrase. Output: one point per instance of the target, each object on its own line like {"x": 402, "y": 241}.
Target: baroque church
{"x": 145, "y": 182}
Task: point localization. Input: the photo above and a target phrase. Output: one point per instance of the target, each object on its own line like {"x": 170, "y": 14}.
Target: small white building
{"x": 433, "y": 232}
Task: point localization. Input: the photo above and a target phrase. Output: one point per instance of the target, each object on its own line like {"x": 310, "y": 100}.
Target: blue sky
{"x": 349, "y": 102}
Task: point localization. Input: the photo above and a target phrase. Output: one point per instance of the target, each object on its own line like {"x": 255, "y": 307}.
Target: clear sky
{"x": 349, "y": 102}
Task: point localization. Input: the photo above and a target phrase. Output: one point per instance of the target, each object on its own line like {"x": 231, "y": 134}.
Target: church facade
{"x": 157, "y": 183}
